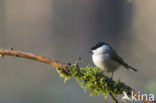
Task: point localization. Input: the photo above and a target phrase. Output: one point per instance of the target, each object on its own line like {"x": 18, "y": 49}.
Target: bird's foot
{"x": 110, "y": 79}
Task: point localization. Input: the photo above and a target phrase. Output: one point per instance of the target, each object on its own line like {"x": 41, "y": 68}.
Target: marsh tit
{"x": 107, "y": 59}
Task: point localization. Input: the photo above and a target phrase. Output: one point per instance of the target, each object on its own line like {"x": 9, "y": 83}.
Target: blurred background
{"x": 66, "y": 29}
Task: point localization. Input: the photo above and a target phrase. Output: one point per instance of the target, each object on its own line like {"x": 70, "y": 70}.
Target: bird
{"x": 106, "y": 58}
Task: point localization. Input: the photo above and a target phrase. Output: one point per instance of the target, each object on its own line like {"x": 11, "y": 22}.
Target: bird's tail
{"x": 129, "y": 67}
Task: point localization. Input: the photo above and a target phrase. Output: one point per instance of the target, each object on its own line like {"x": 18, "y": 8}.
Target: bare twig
{"x": 116, "y": 101}
{"x": 26, "y": 55}
{"x": 53, "y": 63}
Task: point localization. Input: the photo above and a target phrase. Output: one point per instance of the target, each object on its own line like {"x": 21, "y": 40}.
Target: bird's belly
{"x": 105, "y": 63}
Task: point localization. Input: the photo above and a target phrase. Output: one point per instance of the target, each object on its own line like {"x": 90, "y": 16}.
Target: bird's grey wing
{"x": 117, "y": 58}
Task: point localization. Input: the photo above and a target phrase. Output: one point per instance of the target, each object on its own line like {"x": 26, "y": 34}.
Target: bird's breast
{"x": 104, "y": 62}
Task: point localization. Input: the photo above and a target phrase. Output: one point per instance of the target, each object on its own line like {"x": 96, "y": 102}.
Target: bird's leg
{"x": 111, "y": 78}
{"x": 112, "y": 75}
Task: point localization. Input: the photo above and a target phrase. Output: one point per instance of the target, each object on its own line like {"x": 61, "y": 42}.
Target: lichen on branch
{"x": 90, "y": 78}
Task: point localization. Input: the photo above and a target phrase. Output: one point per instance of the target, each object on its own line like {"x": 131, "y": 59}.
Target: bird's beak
{"x": 90, "y": 51}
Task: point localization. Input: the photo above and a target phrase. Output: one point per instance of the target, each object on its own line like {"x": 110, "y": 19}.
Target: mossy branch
{"x": 88, "y": 77}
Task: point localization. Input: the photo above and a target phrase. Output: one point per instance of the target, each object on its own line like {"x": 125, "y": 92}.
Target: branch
{"x": 115, "y": 100}
{"x": 33, "y": 57}
{"x": 88, "y": 77}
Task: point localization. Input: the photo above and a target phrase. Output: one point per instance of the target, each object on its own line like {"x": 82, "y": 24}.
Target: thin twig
{"x": 116, "y": 101}
{"x": 26, "y": 55}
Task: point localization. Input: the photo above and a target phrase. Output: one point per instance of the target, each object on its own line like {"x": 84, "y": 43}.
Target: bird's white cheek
{"x": 101, "y": 50}
{"x": 98, "y": 51}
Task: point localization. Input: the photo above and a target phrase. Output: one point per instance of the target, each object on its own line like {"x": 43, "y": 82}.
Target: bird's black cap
{"x": 99, "y": 44}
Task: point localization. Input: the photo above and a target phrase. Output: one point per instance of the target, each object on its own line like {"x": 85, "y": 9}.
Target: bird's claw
{"x": 111, "y": 79}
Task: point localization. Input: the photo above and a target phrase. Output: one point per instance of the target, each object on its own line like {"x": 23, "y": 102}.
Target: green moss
{"x": 90, "y": 78}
